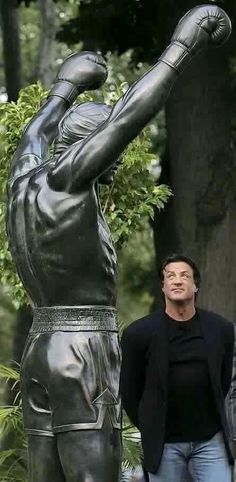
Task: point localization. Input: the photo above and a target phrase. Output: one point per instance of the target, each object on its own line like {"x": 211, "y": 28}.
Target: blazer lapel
{"x": 161, "y": 351}
{"x": 211, "y": 334}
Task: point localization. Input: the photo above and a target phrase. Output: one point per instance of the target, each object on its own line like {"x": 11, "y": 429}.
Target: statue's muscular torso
{"x": 61, "y": 243}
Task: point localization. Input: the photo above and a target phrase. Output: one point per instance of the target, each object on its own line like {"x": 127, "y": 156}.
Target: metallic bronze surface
{"x": 62, "y": 248}
{"x": 74, "y": 318}
{"x": 74, "y": 357}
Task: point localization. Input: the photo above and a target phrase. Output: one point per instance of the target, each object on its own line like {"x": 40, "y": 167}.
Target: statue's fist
{"x": 203, "y": 25}
{"x": 86, "y": 70}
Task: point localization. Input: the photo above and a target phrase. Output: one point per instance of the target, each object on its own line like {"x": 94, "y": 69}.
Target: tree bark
{"x": 200, "y": 219}
{"x": 11, "y": 47}
{"x": 47, "y": 44}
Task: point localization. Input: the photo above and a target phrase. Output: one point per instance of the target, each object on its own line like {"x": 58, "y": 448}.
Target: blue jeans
{"x": 206, "y": 462}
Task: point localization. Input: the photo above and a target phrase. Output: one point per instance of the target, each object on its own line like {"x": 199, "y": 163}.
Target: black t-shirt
{"x": 191, "y": 410}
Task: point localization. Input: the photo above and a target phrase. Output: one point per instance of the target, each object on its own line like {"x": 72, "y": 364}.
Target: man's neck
{"x": 180, "y": 311}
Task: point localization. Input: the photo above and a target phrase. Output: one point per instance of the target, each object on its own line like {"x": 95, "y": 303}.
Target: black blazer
{"x": 144, "y": 375}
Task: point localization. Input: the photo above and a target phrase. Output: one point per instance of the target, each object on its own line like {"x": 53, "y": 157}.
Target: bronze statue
{"x": 62, "y": 249}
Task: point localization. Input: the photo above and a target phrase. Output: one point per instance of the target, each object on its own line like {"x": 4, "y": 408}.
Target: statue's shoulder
{"x": 26, "y": 167}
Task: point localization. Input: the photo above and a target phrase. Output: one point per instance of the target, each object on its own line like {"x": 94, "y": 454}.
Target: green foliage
{"x": 9, "y": 373}
{"x": 10, "y": 416}
{"x": 132, "y": 450}
{"x": 137, "y": 276}
{"x": 10, "y": 419}
{"x": 133, "y": 195}
{"x": 13, "y": 463}
{"x": 126, "y": 203}
{"x": 14, "y": 118}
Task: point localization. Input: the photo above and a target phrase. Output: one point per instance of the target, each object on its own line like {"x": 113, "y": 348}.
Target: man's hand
{"x": 207, "y": 24}
{"x": 86, "y": 70}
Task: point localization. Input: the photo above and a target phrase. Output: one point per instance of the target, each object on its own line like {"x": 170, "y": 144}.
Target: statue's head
{"x": 77, "y": 124}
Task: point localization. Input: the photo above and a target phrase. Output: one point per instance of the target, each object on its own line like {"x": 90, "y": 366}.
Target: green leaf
{"x": 9, "y": 373}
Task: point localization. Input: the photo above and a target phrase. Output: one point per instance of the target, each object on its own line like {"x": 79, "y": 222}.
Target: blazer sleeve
{"x": 227, "y": 365}
{"x": 231, "y": 398}
{"x": 132, "y": 374}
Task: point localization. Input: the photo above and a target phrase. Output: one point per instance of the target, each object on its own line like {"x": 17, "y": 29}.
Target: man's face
{"x": 178, "y": 284}
{"x": 108, "y": 176}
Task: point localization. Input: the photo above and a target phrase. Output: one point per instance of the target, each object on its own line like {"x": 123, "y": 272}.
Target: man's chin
{"x": 181, "y": 300}
{"x": 178, "y": 297}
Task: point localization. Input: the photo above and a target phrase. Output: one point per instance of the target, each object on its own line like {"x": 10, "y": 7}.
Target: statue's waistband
{"x": 74, "y": 318}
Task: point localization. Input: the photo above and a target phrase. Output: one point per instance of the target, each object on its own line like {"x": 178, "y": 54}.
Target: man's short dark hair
{"x": 175, "y": 258}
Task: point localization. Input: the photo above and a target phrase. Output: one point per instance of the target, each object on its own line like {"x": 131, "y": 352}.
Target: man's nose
{"x": 178, "y": 280}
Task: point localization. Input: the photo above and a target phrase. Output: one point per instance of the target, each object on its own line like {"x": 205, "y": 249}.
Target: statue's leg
{"x": 43, "y": 460}
{"x": 89, "y": 443}
{"x": 91, "y": 455}
{"x": 70, "y": 392}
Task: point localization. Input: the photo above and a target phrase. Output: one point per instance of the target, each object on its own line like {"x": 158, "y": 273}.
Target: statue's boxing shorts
{"x": 70, "y": 370}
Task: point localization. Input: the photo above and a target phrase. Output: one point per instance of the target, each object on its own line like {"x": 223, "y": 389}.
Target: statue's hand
{"x": 203, "y": 25}
{"x": 86, "y": 71}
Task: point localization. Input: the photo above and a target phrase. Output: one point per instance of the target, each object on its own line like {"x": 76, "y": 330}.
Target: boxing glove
{"x": 79, "y": 72}
{"x": 201, "y": 26}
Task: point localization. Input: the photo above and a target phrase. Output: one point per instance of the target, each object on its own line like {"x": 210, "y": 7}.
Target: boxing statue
{"x": 61, "y": 245}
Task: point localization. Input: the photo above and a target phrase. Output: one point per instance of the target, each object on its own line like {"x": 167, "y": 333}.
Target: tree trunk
{"x": 11, "y": 47}
{"x": 47, "y": 44}
{"x": 200, "y": 220}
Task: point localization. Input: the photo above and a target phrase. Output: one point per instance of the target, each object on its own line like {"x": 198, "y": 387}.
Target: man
{"x": 176, "y": 372}
{"x": 62, "y": 248}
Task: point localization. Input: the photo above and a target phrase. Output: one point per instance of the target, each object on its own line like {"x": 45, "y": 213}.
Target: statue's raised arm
{"x": 87, "y": 160}
{"x": 79, "y": 73}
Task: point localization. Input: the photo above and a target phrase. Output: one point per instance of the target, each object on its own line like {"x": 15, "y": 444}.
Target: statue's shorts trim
{"x": 74, "y": 318}
{"x": 70, "y": 370}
